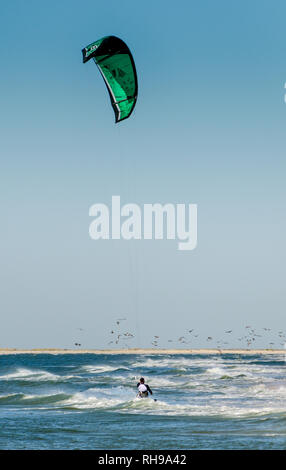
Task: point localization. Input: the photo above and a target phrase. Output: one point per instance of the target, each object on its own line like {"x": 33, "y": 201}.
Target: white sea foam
{"x": 34, "y": 376}
{"x": 99, "y": 369}
{"x": 177, "y": 363}
{"x": 99, "y": 398}
{"x": 161, "y": 407}
{"x": 217, "y": 371}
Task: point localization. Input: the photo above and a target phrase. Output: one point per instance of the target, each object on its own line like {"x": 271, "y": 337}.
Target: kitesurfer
{"x": 143, "y": 389}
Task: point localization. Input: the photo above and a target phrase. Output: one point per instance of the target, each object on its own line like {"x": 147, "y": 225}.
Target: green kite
{"x": 116, "y": 65}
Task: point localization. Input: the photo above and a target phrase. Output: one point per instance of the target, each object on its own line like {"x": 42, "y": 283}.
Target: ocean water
{"x": 86, "y": 401}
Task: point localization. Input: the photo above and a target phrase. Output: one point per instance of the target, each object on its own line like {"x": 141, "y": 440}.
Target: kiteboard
{"x": 144, "y": 397}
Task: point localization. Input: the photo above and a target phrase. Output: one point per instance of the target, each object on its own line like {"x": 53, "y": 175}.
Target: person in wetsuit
{"x": 143, "y": 389}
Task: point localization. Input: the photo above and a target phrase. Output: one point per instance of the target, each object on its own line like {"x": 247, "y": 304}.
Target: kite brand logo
{"x": 88, "y": 51}
{"x": 154, "y": 222}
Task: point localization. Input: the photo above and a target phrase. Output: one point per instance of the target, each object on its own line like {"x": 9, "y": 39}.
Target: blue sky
{"x": 208, "y": 128}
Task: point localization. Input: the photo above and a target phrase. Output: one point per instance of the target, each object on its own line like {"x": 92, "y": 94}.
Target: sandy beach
{"x": 6, "y": 351}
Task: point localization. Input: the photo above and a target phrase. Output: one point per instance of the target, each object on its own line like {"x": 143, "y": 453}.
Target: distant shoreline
{"x": 9, "y": 351}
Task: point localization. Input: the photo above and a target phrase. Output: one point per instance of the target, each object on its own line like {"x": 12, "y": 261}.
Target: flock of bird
{"x": 120, "y": 337}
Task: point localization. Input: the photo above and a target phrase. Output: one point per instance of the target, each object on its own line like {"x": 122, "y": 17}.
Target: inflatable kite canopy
{"x": 117, "y": 67}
